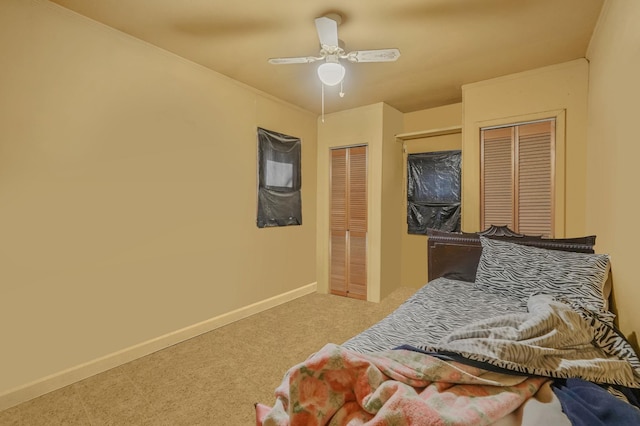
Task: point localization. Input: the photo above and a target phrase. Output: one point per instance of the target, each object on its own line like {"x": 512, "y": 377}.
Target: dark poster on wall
{"x": 279, "y": 179}
{"x": 433, "y": 191}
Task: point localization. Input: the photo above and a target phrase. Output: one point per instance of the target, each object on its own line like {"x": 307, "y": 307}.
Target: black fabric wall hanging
{"x": 279, "y": 179}
{"x": 433, "y": 193}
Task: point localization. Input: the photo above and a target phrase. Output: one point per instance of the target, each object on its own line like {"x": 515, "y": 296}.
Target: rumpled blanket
{"x": 336, "y": 386}
{"x": 552, "y": 340}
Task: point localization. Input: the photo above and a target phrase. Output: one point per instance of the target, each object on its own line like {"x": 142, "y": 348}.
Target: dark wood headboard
{"x": 456, "y": 255}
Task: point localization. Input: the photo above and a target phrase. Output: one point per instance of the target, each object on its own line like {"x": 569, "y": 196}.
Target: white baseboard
{"x": 64, "y": 378}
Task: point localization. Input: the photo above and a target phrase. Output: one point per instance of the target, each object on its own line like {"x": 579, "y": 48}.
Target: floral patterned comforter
{"x": 337, "y": 386}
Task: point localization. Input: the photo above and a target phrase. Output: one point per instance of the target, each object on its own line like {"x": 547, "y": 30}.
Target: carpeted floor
{"x": 212, "y": 379}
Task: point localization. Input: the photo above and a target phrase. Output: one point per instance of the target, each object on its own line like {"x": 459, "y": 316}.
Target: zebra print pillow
{"x": 520, "y": 271}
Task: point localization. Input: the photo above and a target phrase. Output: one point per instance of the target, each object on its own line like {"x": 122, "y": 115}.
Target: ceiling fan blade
{"x": 378, "y": 55}
{"x": 327, "y": 31}
{"x": 296, "y": 60}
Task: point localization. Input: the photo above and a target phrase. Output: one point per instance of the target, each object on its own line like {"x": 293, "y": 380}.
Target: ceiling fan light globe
{"x": 331, "y": 73}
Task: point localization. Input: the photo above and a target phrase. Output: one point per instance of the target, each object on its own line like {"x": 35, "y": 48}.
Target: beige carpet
{"x": 212, "y": 379}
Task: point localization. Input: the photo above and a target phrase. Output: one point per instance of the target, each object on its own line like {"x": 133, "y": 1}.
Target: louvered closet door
{"x": 338, "y": 222}
{"x": 357, "y": 222}
{"x": 517, "y": 186}
{"x": 349, "y": 222}
{"x": 534, "y": 177}
{"x": 497, "y": 182}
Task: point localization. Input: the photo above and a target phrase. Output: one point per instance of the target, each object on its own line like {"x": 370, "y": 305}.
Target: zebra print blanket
{"x": 444, "y": 315}
{"x": 433, "y": 311}
{"x": 552, "y": 339}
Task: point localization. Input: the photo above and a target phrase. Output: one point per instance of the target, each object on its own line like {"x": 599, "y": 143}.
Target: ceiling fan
{"x": 331, "y": 72}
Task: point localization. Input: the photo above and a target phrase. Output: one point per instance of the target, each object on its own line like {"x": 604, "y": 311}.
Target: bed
{"x": 510, "y": 330}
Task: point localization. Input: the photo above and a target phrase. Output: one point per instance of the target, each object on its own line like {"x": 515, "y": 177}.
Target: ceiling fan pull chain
{"x": 341, "y": 89}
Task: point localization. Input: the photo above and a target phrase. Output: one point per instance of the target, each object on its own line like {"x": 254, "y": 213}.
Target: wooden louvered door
{"x": 338, "y": 222}
{"x": 517, "y": 177}
{"x": 348, "y": 222}
{"x": 497, "y": 182}
{"x": 534, "y": 177}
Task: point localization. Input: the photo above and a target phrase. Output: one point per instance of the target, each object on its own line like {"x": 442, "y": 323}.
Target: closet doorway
{"x": 348, "y": 222}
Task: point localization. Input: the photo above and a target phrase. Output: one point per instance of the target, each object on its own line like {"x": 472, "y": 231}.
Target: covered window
{"x": 433, "y": 191}
{"x": 279, "y": 179}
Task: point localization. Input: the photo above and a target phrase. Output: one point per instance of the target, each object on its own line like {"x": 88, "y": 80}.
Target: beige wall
{"x": 414, "y": 247}
{"x": 392, "y": 197}
{"x": 128, "y": 193}
{"x": 433, "y": 118}
{"x": 375, "y": 126}
{"x": 559, "y": 91}
{"x": 614, "y": 150}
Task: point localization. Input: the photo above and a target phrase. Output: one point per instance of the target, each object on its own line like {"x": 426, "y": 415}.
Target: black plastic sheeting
{"x": 433, "y": 194}
{"x": 279, "y": 179}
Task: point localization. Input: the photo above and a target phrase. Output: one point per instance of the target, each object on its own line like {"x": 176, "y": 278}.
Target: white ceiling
{"x": 444, "y": 43}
